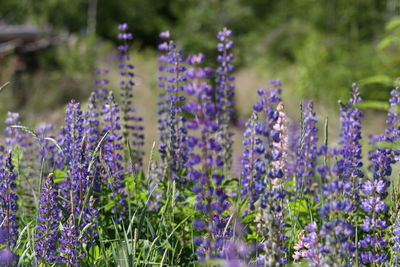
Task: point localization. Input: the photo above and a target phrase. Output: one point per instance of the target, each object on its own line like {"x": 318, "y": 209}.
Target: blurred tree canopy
{"x": 355, "y": 19}
{"x": 330, "y": 43}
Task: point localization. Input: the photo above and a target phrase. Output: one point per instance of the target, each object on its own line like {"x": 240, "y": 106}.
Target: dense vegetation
{"x": 83, "y": 195}
{"x": 322, "y": 45}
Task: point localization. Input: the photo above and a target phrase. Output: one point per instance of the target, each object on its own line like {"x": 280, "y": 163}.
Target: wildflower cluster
{"x": 81, "y": 195}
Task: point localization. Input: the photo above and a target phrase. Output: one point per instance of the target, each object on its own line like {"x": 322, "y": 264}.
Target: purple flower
{"x": 113, "y": 159}
{"x": 336, "y": 239}
{"x": 74, "y": 157}
{"x": 342, "y": 192}
{"x": 309, "y": 246}
{"x": 69, "y": 243}
{"x": 132, "y": 129}
{"x": 76, "y": 184}
{"x": 49, "y": 218}
{"x": 393, "y": 131}
{"x": 123, "y": 26}
{"x": 125, "y": 36}
{"x": 154, "y": 189}
{"x": 8, "y": 203}
{"x": 74, "y": 129}
{"x": 396, "y": 239}
{"x": 374, "y": 192}
{"x": 204, "y": 162}
{"x": 165, "y": 34}
{"x": 253, "y": 167}
{"x": 7, "y": 257}
{"x": 349, "y": 166}
{"x": 225, "y": 33}
{"x": 4, "y": 235}
{"x": 236, "y": 253}
{"x": 265, "y": 169}
{"x": 308, "y": 151}
{"x": 266, "y": 147}
{"x": 172, "y": 124}
{"x": 92, "y": 114}
{"x": 225, "y": 94}
{"x": 94, "y": 132}
{"x": 367, "y": 187}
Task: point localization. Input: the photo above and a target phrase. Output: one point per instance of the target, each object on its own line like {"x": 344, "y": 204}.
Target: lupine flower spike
{"x": 8, "y": 209}
{"x": 111, "y": 152}
{"x": 49, "y": 218}
{"x": 271, "y": 220}
{"x": 94, "y": 128}
{"x": 342, "y": 193}
{"x": 265, "y": 169}
{"x": 8, "y": 203}
{"x": 69, "y": 243}
{"x": 308, "y": 151}
{"x": 132, "y": 128}
{"x": 204, "y": 162}
{"x": 225, "y": 92}
{"x": 173, "y": 132}
{"x": 253, "y": 167}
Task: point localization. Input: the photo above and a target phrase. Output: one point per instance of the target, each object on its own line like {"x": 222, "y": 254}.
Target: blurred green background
{"x": 317, "y": 48}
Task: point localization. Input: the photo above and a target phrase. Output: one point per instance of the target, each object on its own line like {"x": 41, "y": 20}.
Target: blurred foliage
{"x": 330, "y": 44}
{"x": 77, "y": 58}
{"x": 52, "y": 77}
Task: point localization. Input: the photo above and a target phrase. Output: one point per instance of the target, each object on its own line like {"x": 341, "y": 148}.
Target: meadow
{"x": 90, "y": 194}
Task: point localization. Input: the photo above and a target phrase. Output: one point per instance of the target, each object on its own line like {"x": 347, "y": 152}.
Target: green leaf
{"x": 393, "y": 24}
{"x": 370, "y": 104}
{"x": 59, "y": 175}
{"x": 385, "y": 42}
{"x": 378, "y": 79}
